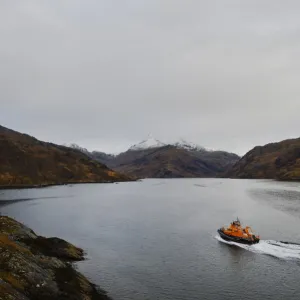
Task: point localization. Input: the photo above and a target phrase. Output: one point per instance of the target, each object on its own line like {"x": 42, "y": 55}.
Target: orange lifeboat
{"x": 236, "y": 233}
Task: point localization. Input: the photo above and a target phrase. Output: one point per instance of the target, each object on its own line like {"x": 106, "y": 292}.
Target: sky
{"x": 105, "y": 74}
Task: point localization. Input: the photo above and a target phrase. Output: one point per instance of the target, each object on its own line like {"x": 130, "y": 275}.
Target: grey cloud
{"x": 103, "y": 74}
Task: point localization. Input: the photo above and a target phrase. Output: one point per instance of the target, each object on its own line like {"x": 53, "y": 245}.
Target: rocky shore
{"x": 33, "y": 267}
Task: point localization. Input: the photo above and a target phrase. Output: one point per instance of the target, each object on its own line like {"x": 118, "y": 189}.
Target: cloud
{"x": 104, "y": 74}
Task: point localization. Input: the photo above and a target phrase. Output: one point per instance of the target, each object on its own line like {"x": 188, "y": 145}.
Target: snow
{"x": 183, "y": 144}
{"x": 149, "y": 143}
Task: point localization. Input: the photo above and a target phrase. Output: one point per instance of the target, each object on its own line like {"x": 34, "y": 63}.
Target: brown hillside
{"x": 273, "y": 161}
{"x": 24, "y": 160}
{"x": 173, "y": 162}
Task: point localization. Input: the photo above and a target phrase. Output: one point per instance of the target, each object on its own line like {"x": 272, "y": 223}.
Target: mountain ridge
{"x": 148, "y": 143}
{"x": 159, "y": 160}
{"x": 277, "y": 160}
{"x": 27, "y": 161}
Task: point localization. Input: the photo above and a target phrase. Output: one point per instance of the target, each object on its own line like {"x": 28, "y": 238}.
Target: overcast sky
{"x": 104, "y": 74}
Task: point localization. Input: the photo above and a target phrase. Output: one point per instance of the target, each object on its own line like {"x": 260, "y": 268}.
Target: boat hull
{"x": 237, "y": 239}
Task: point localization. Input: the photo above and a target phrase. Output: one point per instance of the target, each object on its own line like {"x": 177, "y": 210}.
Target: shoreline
{"x": 45, "y": 185}
{"x": 36, "y": 267}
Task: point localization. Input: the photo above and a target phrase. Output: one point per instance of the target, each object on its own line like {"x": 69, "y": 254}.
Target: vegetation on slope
{"x": 26, "y": 161}
{"x": 35, "y": 267}
{"x": 172, "y": 162}
{"x": 273, "y": 161}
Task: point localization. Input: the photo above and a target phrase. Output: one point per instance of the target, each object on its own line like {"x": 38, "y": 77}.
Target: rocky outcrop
{"x": 39, "y": 268}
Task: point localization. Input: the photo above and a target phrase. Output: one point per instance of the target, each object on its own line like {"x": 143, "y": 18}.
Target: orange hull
{"x": 235, "y": 232}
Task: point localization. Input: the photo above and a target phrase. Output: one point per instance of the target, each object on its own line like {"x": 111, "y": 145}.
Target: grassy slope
{"x": 25, "y": 160}
{"x": 274, "y": 161}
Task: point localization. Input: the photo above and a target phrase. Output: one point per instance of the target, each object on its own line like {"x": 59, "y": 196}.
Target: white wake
{"x": 269, "y": 247}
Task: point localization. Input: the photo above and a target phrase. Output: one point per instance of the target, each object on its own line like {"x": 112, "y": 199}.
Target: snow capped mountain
{"x": 183, "y": 144}
{"x": 149, "y": 143}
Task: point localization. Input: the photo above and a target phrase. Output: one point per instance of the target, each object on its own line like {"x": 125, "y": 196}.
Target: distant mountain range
{"x": 273, "y": 161}
{"x": 152, "y": 158}
{"x": 26, "y": 161}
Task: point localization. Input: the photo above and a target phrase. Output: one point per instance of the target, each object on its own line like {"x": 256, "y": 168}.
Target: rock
{"x": 35, "y": 267}
{"x": 9, "y": 293}
{"x": 16, "y": 230}
{"x": 55, "y": 247}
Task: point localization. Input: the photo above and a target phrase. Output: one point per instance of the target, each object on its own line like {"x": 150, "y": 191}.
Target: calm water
{"x": 156, "y": 239}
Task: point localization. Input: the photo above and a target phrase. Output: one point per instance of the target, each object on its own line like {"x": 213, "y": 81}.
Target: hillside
{"x": 273, "y": 161}
{"x": 153, "y": 159}
{"x": 173, "y": 162}
{"x": 102, "y": 157}
{"x": 26, "y": 161}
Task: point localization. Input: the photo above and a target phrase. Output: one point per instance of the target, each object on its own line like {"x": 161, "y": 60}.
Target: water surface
{"x": 156, "y": 239}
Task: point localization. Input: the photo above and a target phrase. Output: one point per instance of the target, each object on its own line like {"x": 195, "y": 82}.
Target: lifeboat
{"x": 236, "y": 233}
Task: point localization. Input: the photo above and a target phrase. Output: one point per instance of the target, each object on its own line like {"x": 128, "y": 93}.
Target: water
{"x": 156, "y": 239}
{"x": 273, "y": 248}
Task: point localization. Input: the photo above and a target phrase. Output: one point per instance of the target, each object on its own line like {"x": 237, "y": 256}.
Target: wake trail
{"x": 269, "y": 247}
